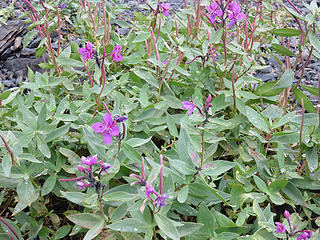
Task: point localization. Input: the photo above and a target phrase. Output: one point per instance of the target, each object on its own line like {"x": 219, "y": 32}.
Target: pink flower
{"x": 108, "y": 128}
{"x": 115, "y": 53}
{"x": 105, "y": 167}
{"x": 89, "y": 160}
{"x": 165, "y": 63}
{"x": 86, "y": 52}
{"x": 81, "y": 185}
{"x": 280, "y": 228}
{"x": 149, "y": 190}
{"x": 214, "y": 11}
{"x": 164, "y": 8}
{"x": 188, "y": 106}
{"x": 306, "y": 234}
{"x": 161, "y": 200}
{"x": 235, "y": 13}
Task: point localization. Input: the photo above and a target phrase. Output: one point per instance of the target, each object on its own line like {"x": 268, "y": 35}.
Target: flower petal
{"x": 107, "y": 119}
{"x": 114, "y": 130}
{"x": 99, "y": 127}
{"x": 107, "y": 138}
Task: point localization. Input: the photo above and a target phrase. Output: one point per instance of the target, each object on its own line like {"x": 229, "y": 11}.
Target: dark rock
{"x": 8, "y": 35}
{"x": 20, "y": 64}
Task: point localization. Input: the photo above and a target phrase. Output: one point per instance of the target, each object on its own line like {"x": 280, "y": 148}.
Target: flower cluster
{"x": 280, "y": 228}
{"x": 160, "y": 199}
{"x": 86, "y": 52}
{"x": 108, "y": 128}
{"x": 164, "y": 8}
{"x": 89, "y": 180}
{"x": 116, "y": 56}
{"x": 189, "y": 105}
{"x": 217, "y": 11}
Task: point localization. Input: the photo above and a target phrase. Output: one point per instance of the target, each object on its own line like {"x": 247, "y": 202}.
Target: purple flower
{"x": 86, "y": 52}
{"x": 165, "y": 63}
{"x": 119, "y": 119}
{"x": 108, "y": 128}
{"x": 81, "y": 185}
{"x": 161, "y": 200}
{"x": 63, "y": 5}
{"x": 115, "y": 53}
{"x": 164, "y": 8}
{"x": 214, "y": 11}
{"x": 89, "y": 160}
{"x": 306, "y": 234}
{"x": 235, "y": 13}
{"x": 207, "y": 104}
{"x": 280, "y": 228}
{"x": 149, "y": 190}
{"x": 188, "y": 106}
{"x": 81, "y": 169}
{"x": 105, "y": 167}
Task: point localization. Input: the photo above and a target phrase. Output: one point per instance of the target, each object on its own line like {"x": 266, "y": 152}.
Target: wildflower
{"x": 63, "y": 5}
{"x": 207, "y": 104}
{"x": 161, "y": 200}
{"x": 164, "y": 8}
{"x": 86, "y": 52}
{"x": 115, "y": 53}
{"x": 81, "y": 169}
{"x": 214, "y": 11}
{"x": 280, "y": 228}
{"x": 105, "y": 167}
{"x": 306, "y": 234}
{"x": 149, "y": 190}
{"x": 119, "y": 119}
{"x": 188, "y": 106}
{"x": 81, "y": 185}
{"x": 142, "y": 179}
{"x": 109, "y": 128}
{"x": 235, "y": 13}
{"x": 89, "y": 160}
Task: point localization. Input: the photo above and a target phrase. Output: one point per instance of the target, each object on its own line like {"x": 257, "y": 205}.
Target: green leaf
{"x": 129, "y": 225}
{"x": 219, "y": 167}
{"x": 119, "y": 212}
{"x": 286, "y": 80}
{"x": 183, "y": 194}
{"x": 61, "y": 131}
{"x": 43, "y": 147}
{"x": 146, "y": 76}
{"x": 94, "y": 231}
{"x": 188, "y": 229}
{"x": 312, "y": 90}
{"x": 136, "y": 142}
{"x": 286, "y": 32}
{"x": 42, "y": 116}
{"x": 281, "y": 49}
{"x": 166, "y": 226}
{"x": 85, "y": 220}
{"x": 4, "y": 95}
{"x": 48, "y": 185}
{"x": 130, "y": 152}
{"x": 314, "y": 40}
{"x": 260, "y": 184}
{"x": 141, "y": 37}
{"x": 26, "y": 192}
{"x": 62, "y": 232}
{"x": 294, "y": 194}
{"x": 267, "y": 89}
{"x": 277, "y": 185}
{"x": 28, "y": 37}
{"x": 257, "y": 120}
{"x": 73, "y": 158}
{"x": 312, "y": 158}
{"x": 119, "y": 196}
{"x": 205, "y": 217}
{"x": 307, "y": 103}
{"x": 6, "y": 165}
{"x": 172, "y": 126}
